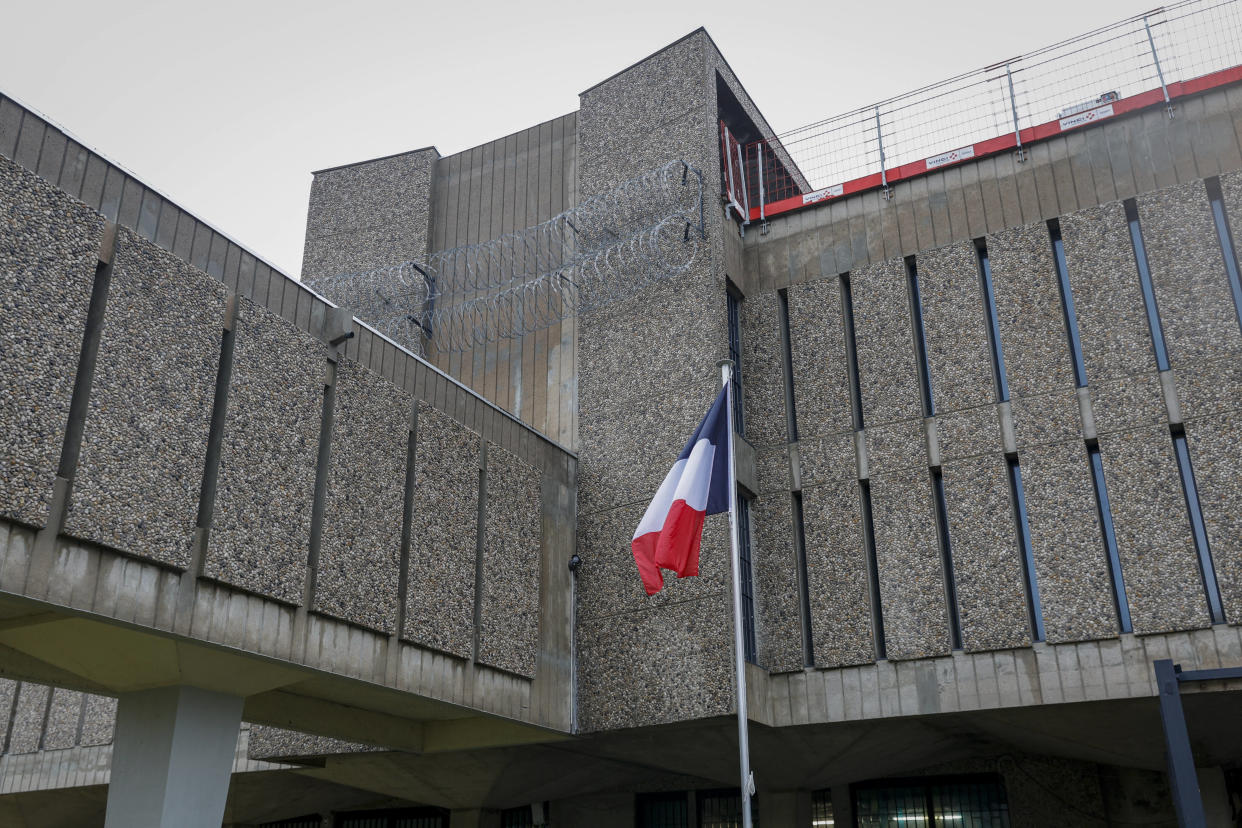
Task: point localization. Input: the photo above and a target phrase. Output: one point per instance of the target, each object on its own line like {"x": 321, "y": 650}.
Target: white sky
{"x": 226, "y": 107}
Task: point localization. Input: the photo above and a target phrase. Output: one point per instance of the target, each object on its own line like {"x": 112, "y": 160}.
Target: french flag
{"x": 671, "y": 530}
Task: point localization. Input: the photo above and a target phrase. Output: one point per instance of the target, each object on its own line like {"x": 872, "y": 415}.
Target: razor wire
{"x": 603, "y": 250}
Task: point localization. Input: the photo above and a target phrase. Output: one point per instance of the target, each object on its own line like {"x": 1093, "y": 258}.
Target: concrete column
{"x": 171, "y": 759}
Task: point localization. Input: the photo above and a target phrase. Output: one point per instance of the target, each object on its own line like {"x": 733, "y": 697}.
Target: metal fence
{"x": 1143, "y": 60}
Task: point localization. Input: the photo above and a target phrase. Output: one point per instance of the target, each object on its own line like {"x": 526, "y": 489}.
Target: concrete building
{"x": 988, "y": 439}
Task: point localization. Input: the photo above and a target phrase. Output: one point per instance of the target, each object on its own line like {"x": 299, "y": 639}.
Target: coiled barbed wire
{"x": 598, "y": 252}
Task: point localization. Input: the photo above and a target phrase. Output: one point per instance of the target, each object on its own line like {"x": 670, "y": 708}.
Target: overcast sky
{"x": 226, "y": 107}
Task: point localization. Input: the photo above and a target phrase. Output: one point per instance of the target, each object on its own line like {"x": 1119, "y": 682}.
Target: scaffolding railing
{"x": 1146, "y": 60}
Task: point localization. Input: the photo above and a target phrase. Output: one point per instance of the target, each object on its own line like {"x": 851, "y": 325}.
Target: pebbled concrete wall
{"x": 144, "y": 444}
{"x": 49, "y": 246}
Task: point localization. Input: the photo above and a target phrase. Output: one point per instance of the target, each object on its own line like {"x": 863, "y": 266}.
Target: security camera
{"x": 574, "y": 563}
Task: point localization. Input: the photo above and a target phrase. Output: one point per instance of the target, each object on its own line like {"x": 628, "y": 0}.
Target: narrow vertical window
{"x": 804, "y": 589}
{"x": 920, "y": 337}
{"x": 873, "y": 569}
{"x": 791, "y": 413}
{"x": 946, "y": 558}
{"x": 734, "y": 299}
{"x": 1191, "y": 493}
{"x": 1149, "y": 293}
{"x": 1067, "y": 303}
{"x": 1227, "y": 249}
{"x": 748, "y": 588}
{"x": 1028, "y": 556}
{"x": 851, "y": 351}
{"x": 1105, "y": 514}
{"x": 1000, "y": 383}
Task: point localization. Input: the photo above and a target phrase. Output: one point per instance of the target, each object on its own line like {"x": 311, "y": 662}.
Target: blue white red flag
{"x": 669, "y": 535}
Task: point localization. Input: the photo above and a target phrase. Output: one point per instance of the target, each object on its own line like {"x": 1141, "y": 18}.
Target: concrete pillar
{"x": 842, "y": 805}
{"x": 171, "y": 758}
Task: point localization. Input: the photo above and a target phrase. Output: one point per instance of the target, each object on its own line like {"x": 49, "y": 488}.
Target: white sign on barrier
{"x": 819, "y": 195}
{"x": 950, "y": 157}
{"x": 1090, "y": 116}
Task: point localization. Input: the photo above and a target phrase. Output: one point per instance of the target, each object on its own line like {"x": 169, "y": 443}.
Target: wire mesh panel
{"x": 1138, "y": 62}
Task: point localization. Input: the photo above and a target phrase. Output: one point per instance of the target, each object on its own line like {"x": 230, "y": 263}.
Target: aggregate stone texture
{"x": 1188, "y": 275}
{"x": 1046, "y": 418}
{"x": 8, "y": 692}
{"x": 49, "y": 246}
{"x": 28, "y": 717}
{"x": 1033, "y": 340}
{"x": 820, "y": 365}
{"x": 778, "y": 601}
{"x": 509, "y": 605}
{"x": 274, "y": 743}
{"x": 1158, "y": 559}
{"x": 912, "y": 594}
{"x": 608, "y": 582}
{"x": 368, "y": 215}
{"x": 260, "y": 534}
{"x": 147, "y": 425}
{"x": 763, "y": 370}
{"x": 837, "y": 575}
{"x": 1108, "y": 297}
{"x": 1215, "y": 444}
{"x": 439, "y": 604}
{"x": 62, "y": 719}
{"x": 98, "y": 720}
{"x": 658, "y": 665}
{"x": 621, "y": 112}
{"x": 1208, "y": 388}
{"x": 1127, "y": 403}
{"x": 652, "y": 344}
{"x": 969, "y": 432}
{"x": 987, "y": 563}
{"x": 887, "y": 362}
{"x": 655, "y": 429}
{"x": 360, "y": 549}
{"x": 896, "y": 446}
{"x": 1067, "y": 543}
{"x": 958, "y": 353}
{"x": 831, "y": 457}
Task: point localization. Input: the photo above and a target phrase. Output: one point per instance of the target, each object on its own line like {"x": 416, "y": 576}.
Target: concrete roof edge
{"x": 380, "y": 158}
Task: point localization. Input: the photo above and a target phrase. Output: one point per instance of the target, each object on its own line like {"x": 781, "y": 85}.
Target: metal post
{"x": 762, "y": 194}
{"x": 879, "y": 137}
{"x": 1013, "y": 106}
{"x": 741, "y": 168}
{"x": 739, "y": 652}
{"x": 1183, "y": 781}
{"x": 1159, "y": 72}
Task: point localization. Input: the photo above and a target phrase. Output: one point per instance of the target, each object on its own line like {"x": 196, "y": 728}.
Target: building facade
{"x": 987, "y": 467}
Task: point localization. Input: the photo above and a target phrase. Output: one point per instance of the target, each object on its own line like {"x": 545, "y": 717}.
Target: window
{"x": 517, "y": 817}
{"x": 748, "y": 588}
{"x": 401, "y": 818}
{"x": 821, "y": 809}
{"x": 723, "y": 809}
{"x": 734, "y": 299}
{"x": 949, "y": 802}
{"x": 662, "y": 810}
{"x": 309, "y": 821}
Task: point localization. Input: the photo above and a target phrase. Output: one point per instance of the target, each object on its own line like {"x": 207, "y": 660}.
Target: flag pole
{"x": 739, "y": 651}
